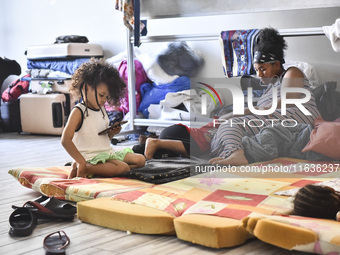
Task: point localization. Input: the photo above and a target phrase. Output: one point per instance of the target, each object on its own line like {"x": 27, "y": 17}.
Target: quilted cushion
{"x": 114, "y": 214}
{"x": 296, "y": 233}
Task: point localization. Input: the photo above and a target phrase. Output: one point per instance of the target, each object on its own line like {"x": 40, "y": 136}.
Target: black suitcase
{"x": 10, "y": 116}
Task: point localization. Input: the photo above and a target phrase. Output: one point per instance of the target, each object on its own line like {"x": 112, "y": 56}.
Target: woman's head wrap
{"x": 265, "y": 57}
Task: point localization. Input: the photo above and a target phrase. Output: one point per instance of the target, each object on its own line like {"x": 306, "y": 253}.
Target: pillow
{"x": 325, "y": 139}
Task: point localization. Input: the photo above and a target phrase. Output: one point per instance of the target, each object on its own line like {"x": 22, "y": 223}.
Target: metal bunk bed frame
{"x": 313, "y": 31}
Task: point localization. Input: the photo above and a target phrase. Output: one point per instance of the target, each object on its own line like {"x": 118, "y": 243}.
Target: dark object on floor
{"x": 56, "y": 243}
{"x": 51, "y": 208}
{"x": 10, "y": 116}
{"x": 22, "y": 222}
{"x": 165, "y": 170}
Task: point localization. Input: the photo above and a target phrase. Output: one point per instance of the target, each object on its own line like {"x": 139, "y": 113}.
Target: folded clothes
{"x": 49, "y": 73}
{"x": 67, "y": 66}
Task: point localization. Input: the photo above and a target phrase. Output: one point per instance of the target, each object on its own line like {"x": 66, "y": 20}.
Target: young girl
{"x": 96, "y": 83}
{"x": 317, "y": 202}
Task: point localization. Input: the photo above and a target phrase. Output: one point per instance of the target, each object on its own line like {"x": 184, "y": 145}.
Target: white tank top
{"x": 86, "y": 138}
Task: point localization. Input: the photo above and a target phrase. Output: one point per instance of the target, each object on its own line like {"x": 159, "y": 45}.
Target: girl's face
{"x": 267, "y": 71}
{"x": 102, "y": 95}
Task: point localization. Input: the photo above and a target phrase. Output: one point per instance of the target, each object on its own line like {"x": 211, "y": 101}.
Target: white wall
{"x": 34, "y": 22}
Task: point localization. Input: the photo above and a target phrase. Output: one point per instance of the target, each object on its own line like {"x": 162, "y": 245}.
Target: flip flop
{"x": 51, "y": 208}
{"x": 22, "y": 222}
{"x": 56, "y": 244}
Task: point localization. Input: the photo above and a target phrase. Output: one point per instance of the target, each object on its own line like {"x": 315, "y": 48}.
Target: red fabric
{"x": 231, "y": 197}
{"x": 203, "y": 135}
{"x": 15, "y": 90}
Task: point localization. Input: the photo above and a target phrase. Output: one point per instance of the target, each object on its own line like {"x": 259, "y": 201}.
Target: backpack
{"x": 71, "y": 39}
{"x": 16, "y": 89}
{"x": 140, "y": 78}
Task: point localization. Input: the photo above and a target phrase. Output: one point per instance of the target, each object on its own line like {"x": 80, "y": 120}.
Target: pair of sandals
{"x": 23, "y": 220}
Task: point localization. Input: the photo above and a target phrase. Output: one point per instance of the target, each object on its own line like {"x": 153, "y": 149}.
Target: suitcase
{"x": 64, "y": 50}
{"x": 43, "y": 86}
{"x": 10, "y": 116}
{"x": 42, "y": 114}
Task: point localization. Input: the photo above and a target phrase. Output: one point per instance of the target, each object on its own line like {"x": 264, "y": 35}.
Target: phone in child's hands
{"x": 105, "y": 131}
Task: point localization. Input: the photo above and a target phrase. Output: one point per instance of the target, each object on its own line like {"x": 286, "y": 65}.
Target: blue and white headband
{"x": 263, "y": 57}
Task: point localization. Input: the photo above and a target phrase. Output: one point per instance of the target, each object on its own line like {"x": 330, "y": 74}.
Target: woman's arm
{"x": 293, "y": 78}
{"x": 73, "y": 123}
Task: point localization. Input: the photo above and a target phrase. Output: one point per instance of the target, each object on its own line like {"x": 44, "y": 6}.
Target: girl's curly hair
{"x": 269, "y": 40}
{"x": 95, "y": 72}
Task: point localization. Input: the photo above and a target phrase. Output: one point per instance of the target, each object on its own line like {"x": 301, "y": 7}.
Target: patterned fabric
{"x": 127, "y": 7}
{"x": 239, "y": 43}
{"x": 229, "y": 135}
{"x": 262, "y": 57}
{"x": 231, "y": 195}
{"x": 52, "y": 181}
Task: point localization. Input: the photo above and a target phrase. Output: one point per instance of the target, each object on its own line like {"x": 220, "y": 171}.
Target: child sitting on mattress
{"x": 96, "y": 83}
{"x": 317, "y": 202}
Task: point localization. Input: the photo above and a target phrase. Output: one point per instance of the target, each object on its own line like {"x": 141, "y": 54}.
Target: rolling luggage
{"x": 43, "y": 114}
{"x": 64, "y": 50}
{"x": 43, "y": 86}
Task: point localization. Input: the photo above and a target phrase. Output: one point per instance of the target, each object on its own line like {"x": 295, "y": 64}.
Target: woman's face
{"x": 102, "y": 94}
{"x": 267, "y": 71}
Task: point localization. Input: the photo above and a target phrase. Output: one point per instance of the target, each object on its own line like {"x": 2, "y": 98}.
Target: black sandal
{"x": 56, "y": 244}
{"x": 22, "y": 222}
{"x": 50, "y": 208}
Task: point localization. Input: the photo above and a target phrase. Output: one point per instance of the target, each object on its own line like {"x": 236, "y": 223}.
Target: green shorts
{"x": 103, "y": 157}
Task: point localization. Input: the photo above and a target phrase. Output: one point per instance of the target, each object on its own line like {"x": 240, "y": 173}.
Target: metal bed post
{"x": 131, "y": 80}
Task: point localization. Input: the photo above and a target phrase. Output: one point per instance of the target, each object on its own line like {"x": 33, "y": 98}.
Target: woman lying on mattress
{"x": 96, "y": 83}
{"x": 225, "y": 141}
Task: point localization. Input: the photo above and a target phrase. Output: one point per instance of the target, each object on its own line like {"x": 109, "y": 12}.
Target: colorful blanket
{"x": 237, "y": 51}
